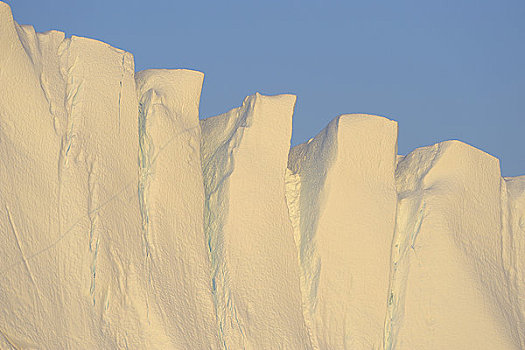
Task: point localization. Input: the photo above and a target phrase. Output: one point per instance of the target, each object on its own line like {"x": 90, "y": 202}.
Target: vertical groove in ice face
{"x": 171, "y": 196}
{"x": 308, "y": 280}
{"x": 217, "y": 165}
{"x": 409, "y": 217}
{"x": 255, "y": 272}
{"x": 308, "y": 164}
{"x": 146, "y": 150}
{"x": 515, "y": 198}
{"x": 94, "y": 228}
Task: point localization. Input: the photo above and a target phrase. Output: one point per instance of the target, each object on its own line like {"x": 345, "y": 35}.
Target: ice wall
{"x": 171, "y": 198}
{"x": 255, "y": 275}
{"x": 68, "y": 194}
{"x": 127, "y": 223}
{"x": 514, "y": 222}
{"x": 94, "y": 256}
{"x": 341, "y": 191}
{"x": 453, "y": 253}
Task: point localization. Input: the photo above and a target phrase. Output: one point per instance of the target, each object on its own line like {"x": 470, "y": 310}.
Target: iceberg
{"x": 127, "y": 222}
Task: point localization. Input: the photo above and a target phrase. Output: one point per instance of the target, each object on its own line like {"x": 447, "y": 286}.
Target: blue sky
{"x": 443, "y": 69}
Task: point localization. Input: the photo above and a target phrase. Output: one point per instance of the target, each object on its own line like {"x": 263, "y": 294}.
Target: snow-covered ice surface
{"x": 127, "y": 223}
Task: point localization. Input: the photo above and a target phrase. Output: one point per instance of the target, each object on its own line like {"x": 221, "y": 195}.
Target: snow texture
{"x": 128, "y": 223}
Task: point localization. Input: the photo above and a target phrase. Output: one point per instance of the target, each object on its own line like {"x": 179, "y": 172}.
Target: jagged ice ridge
{"x": 128, "y": 223}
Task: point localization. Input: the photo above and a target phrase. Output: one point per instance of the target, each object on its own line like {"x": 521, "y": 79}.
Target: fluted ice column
{"x": 255, "y": 271}
{"x": 450, "y": 287}
{"x": 171, "y": 195}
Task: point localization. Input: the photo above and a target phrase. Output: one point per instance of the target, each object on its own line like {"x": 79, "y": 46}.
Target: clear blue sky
{"x": 442, "y": 69}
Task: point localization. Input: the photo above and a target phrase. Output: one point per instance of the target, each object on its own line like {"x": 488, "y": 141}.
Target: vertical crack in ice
{"x": 410, "y": 213}
{"x": 145, "y": 160}
{"x": 293, "y": 200}
{"x": 93, "y": 219}
{"x": 72, "y": 89}
{"x": 213, "y": 225}
{"x": 69, "y": 147}
{"x": 217, "y": 166}
{"x": 65, "y": 70}
{"x": 120, "y": 89}
{"x": 308, "y": 166}
{"x": 94, "y": 273}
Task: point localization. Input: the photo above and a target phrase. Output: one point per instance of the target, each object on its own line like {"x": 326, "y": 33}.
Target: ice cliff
{"x": 128, "y": 223}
